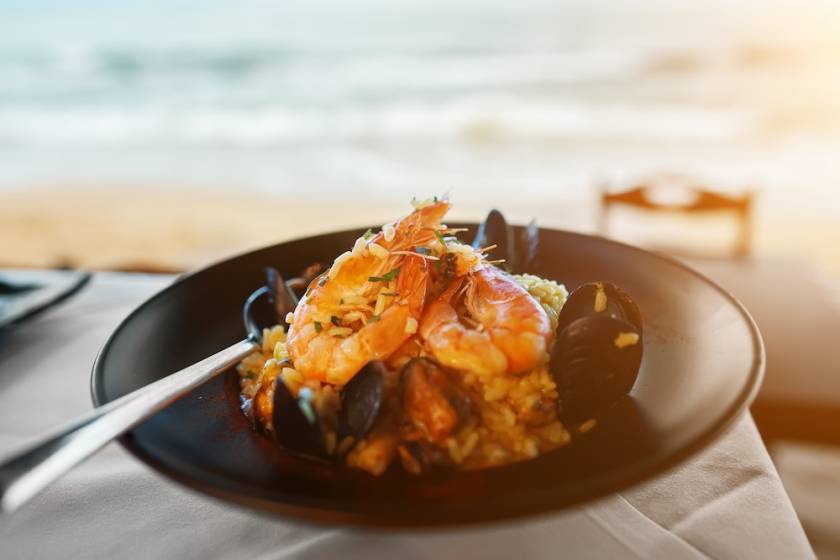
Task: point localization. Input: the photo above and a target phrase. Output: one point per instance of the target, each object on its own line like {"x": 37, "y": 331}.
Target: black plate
{"x": 703, "y": 362}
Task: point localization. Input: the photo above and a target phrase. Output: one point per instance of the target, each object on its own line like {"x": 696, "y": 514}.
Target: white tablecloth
{"x": 727, "y": 502}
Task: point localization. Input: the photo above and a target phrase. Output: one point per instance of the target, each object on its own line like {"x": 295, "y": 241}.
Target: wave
{"x": 473, "y": 119}
{"x": 265, "y": 74}
{"x": 270, "y": 72}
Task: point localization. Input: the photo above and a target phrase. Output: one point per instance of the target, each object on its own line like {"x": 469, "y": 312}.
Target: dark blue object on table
{"x": 25, "y": 292}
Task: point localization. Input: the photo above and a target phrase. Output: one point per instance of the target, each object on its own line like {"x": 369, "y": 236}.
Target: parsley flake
{"x": 385, "y": 277}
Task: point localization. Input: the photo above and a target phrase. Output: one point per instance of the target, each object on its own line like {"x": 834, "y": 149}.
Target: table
{"x": 797, "y": 310}
{"x": 726, "y": 502}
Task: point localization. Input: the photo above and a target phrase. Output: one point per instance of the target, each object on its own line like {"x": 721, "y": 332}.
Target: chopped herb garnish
{"x": 387, "y": 277}
{"x": 318, "y": 327}
{"x": 368, "y": 234}
{"x": 435, "y": 199}
{"x": 323, "y": 280}
{"x": 440, "y": 238}
{"x": 373, "y": 318}
{"x": 422, "y": 250}
{"x": 335, "y": 321}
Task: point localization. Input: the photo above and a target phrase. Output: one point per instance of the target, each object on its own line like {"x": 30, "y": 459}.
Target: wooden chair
{"x": 693, "y": 201}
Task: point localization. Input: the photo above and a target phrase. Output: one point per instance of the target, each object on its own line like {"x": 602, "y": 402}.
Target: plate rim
{"x": 319, "y": 515}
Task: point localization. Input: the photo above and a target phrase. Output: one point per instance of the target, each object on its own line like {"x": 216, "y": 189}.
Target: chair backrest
{"x": 691, "y": 200}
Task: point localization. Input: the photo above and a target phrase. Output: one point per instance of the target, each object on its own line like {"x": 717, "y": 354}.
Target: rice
{"x": 517, "y": 416}
{"x": 549, "y": 293}
{"x": 378, "y": 251}
{"x": 389, "y": 231}
{"x": 507, "y": 429}
{"x": 359, "y": 247}
{"x": 625, "y": 339}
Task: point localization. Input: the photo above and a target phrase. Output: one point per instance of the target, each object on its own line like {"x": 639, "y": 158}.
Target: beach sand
{"x": 156, "y": 230}
{"x": 175, "y": 230}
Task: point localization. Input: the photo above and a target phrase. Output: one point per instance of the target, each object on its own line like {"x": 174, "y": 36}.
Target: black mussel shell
{"x": 282, "y": 296}
{"x": 595, "y": 361}
{"x": 495, "y": 230}
{"x": 258, "y": 313}
{"x": 296, "y": 423}
{"x": 588, "y": 298}
{"x": 361, "y": 401}
{"x": 518, "y": 252}
{"x": 526, "y": 248}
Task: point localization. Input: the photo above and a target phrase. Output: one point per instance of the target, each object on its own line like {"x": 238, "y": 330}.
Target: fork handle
{"x": 27, "y": 473}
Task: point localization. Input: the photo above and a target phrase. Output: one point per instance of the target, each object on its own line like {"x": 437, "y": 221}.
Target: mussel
{"x": 282, "y": 295}
{"x": 432, "y": 404}
{"x": 285, "y": 294}
{"x": 495, "y": 230}
{"x": 596, "y": 299}
{"x": 297, "y": 425}
{"x": 517, "y": 251}
{"x": 361, "y": 402}
{"x": 300, "y": 428}
{"x": 598, "y": 350}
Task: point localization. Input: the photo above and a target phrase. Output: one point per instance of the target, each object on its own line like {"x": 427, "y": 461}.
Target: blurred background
{"x": 116, "y": 116}
{"x": 161, "y": 135}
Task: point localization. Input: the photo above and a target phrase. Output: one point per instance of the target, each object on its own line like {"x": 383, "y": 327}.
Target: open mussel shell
{"x": 517, "y": 251}
{"x": 282, "y": 295}
{"x": 599, "y": 299}
{"x": 361, "y": 401}
{"x": 527, "y": 246}
{"x": 299, "y": 428}
{"x": 285, "y": 294}
{"x": 296, "y": 423}
{"x": 595, "y": 361}
{"x": 495, "y": 230}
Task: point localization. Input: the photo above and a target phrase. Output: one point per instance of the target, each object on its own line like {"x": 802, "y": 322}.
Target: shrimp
{"x": 382, "y": 269}
{"x": 513, "y": 332}
{"x": 455, "y": 345}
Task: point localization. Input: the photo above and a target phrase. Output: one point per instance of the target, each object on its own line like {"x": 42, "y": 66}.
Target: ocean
{"x": 535, "y": 99}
